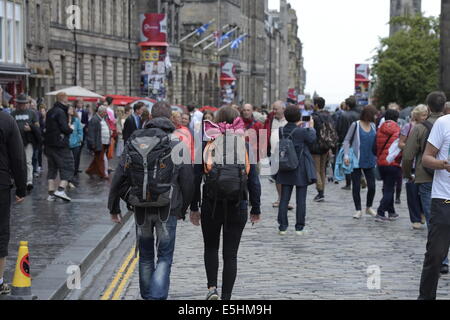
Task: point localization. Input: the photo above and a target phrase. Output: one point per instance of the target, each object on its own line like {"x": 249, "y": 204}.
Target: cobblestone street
{"x": 330, "y": 262}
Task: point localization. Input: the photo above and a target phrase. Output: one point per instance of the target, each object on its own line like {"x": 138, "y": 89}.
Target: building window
{"x": 124, "y": 73}
{"x": 18, "y": 33}
{"x": 115, "y": 73}
{"x": 63, "y": 71}
{"x": 93, "y": 74}
{"x": 105, "y": 75}
{"x": 113, "y": 17}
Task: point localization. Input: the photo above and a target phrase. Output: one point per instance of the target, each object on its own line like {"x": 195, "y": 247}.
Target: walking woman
{"x": 361, "y": 139}
{"x": 75, "y": 142}
{"x": 389, "y": 160}
{"x": 302, "y": 177}
{"x": 230, "y": 216}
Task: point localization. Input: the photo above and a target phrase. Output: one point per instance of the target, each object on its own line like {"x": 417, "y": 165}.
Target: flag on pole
{"x": 203, "y": 29}
{"x": 226, "y": 36}
{"x": 236, "y": 43}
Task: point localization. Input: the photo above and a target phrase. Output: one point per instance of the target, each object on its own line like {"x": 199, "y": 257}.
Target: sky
{"x": 336, "y": 35}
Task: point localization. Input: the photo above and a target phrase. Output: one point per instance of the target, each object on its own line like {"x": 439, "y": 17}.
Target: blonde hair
{"x": 418, "y": 111}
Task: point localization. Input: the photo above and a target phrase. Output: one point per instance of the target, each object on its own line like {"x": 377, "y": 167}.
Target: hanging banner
{"x": 362, "y": 84}
{"x": 154, "y": 28}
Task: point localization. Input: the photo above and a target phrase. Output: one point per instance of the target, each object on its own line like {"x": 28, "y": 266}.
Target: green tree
{"x": 406, "y": 67}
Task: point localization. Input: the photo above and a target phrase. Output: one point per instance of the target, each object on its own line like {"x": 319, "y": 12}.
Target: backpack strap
{"x": 429, "y": 126}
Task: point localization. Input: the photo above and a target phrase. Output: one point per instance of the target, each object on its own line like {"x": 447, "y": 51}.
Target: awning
{"x": 15, "y": 73}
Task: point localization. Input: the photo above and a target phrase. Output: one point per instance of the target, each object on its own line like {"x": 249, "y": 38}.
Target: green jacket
{"x": 414, "y": 151}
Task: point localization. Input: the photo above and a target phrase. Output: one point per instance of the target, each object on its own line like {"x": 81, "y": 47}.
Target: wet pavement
{"x": 49, "y": 227}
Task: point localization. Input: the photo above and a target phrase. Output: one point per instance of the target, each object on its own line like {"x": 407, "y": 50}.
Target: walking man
{"x": 60, "y": 158}
{"x": 437, "y": 157}
{"x": 133, "y": 122}
{"x": 28, "y": 124}
{"x": 156, "y": 220}
{"x": 12, "y": 166}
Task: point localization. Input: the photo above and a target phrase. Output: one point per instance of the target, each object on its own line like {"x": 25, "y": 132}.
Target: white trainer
{"x": 358, "y": 215}
{"x": 62, "y": 195}
{"x": 371, "y": 212}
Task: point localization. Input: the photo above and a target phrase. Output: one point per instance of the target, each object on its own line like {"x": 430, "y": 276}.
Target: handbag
{"x": 310, "y": 167}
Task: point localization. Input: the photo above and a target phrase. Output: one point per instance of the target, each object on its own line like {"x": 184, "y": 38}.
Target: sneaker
{"x": 347, "y": 188}
{"x": 72, "y": 186}
{"x": 444, "y": 269}
{"x": 276, "y": 204}
{"x": 398, "y": 201}
{"x": 282, "y": 233}
{"x": 417, "y": 226}
{"x": 379, "y": 218}
{"x": 319, "y": 198}
{"x": 424, "y": 220}
{"x": 51, "y": 198}
{"x": 290, "y": 208}
{"x": 393, "y": 217}
{"x": 4, "y": 289}
{"x": 301, "y": 233}
{"x": 358, "y": 215}
{"x": 371, "y": 212}
{"x": 62, "y": 195}
{"x": 213, "y": 295}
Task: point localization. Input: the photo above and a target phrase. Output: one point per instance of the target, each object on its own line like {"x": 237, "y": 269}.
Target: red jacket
{"x": 389, "y": 130}
{"x": 268, "y": 127}
{"x": 257, "y": 126}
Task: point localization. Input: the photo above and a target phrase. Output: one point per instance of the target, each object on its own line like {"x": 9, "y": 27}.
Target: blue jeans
{"x": 425, "y": 190}
{"x": 286, "y": 193}
{"x": 154, "y": 278}
{"x": 414, "y": 203}
{"x": 390, "y": 176}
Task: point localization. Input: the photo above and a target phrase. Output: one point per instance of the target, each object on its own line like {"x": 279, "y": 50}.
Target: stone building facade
{"x": 403, "y": 8}
{"x": 102, "y": 54}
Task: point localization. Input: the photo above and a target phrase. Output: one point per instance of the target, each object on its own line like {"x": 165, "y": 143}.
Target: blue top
{"x": 367, "y": 159}
{"x": 76, "y": 138}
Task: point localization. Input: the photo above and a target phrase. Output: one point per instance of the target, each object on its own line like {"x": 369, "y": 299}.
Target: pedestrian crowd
{"x": 209, "y": 162}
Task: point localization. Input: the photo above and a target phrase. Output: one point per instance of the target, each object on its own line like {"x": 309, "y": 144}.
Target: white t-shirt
{"x": 440, "y": 138}
{"x": 274, "y": 136}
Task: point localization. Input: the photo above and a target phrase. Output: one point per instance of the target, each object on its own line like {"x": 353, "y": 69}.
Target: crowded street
{"x": 217, "y": 150}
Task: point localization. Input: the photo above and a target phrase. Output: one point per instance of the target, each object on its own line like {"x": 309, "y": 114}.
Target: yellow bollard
{"x": 21, "y": 285}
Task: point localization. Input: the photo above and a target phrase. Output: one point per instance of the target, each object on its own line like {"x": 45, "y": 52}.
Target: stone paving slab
{"x": 330, "y": 262}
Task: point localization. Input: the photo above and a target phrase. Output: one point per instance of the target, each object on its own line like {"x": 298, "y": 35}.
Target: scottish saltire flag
{"x": 236, "y": 43}
{"x": 202, "y": 29}
{"x": 226, "y": 36}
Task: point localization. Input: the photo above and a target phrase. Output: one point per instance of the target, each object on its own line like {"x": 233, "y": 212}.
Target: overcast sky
{"x": 338, "y": 34}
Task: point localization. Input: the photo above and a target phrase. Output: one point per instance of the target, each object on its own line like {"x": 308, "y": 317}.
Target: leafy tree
{"x": 406, "y": 67}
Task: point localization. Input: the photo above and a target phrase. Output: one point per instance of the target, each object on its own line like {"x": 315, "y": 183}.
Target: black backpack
{"x": 288, "y": 160}
{"x": 149, "y": 169}
{"x": 429, "y": 126}
{"x": 226, "y": 181}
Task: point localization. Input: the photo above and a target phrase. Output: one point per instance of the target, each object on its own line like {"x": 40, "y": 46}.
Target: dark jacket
{"x": 345, "y": 121}
{"x": 183, "y": 178}
{"x": 57, "y": 129}
{"x": 301, "y": 138}
{"x": 12, "y": 156}
{"x": 129, "y": 127}
{"x": 94, "y": 134}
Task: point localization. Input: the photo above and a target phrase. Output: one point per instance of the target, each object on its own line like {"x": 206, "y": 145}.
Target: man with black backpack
{"x": 326, "y": 140}
{"x": 155, "y": 178}
{"x": 414, "y": 149}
